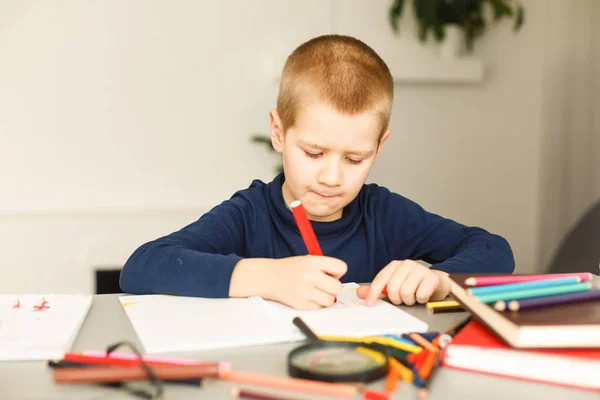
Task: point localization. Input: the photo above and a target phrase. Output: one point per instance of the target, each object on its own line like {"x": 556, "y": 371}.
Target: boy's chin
{"x": 324, "y": 214}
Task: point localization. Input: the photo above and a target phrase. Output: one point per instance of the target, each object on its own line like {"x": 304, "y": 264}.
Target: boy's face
{"x": 326, "y": 157}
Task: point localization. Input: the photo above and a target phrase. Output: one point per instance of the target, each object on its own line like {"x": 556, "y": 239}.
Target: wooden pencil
{"x": 248, "y": 394}
{"x": 107, "y": 374}
{"x": 301, "y": 385}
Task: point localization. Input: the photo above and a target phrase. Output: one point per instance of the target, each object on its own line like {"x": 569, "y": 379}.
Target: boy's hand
{"x": 306, "y": 282}
{"x": 406, "y": 282}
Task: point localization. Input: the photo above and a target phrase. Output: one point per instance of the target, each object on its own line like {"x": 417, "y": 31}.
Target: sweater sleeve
{"x": 444, "y": 243}
{"x": 197, "y": 260}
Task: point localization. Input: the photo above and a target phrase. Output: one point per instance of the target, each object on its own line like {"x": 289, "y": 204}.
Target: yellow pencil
{"x": 379, "y": 340}
{"x": 405, "y": 373}
{"x": 438, "y": 304}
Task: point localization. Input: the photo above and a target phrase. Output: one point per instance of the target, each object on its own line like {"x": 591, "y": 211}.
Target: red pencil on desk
{"x": 120, "y": 361}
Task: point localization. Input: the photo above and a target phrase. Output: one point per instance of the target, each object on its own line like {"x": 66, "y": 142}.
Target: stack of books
{"x": 544, "y": 328}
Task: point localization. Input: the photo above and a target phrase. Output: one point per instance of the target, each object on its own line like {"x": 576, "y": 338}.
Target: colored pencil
{"x": 422, "y": 341}
{"x": 454, "y": 329}
{"x": 400, "y": 339}
{"x": 428, "y": 364}
{"x": 445, "y": 303}
{"x": 442, "y": 341}
{"x": 531, "y": 293}
{"x": 306, "y": 231}
{"x": 305, "y": 228}
{"x": 403, "y": 371}
{"x": 391, "y": 381}
{"x": 301, "y": 385}
{"x": 478, "y": 291}
{"x": 247, "y": 394}
{"x": 122, "y": 361}
{"x": 370, "y": 394}
{"x": 589, "y": 295}
{"x": 373, "y": 339}
{"x": 437, "y": 307}
{"x": 147, "y": 358}
{"x": 505, "y": 279}
{"x": 107, "y": 374}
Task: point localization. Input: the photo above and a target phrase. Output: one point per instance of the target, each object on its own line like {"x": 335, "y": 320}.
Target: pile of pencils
{"x": 520, "y": 292}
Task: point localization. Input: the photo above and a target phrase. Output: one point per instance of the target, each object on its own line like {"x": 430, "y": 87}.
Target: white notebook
{"x": 172, "y": 324}
{"x": 40, "y": 327}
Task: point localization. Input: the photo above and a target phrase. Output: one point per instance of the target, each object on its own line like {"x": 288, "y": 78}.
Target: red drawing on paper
{"x": 17, "y": 303}
{"x": 42, "y": 306}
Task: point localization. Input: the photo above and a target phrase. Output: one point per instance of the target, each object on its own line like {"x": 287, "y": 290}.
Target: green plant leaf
{"x": 519, "y": 18}
{"x": 396, "y": 13}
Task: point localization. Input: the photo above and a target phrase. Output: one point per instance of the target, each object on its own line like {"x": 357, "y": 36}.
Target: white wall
{"x": 596, "y": 86}
{"x": 570, "y": 180}
{"x": 123, "y": 121}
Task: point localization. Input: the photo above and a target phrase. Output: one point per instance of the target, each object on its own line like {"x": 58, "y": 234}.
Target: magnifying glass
{"x": 336, "y": 361}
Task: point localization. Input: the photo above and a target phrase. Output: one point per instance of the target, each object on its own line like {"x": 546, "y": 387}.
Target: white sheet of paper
{"x": 38, "y": 326}
{"x": 171, "y": 324}
{"x": 349, "y": 316}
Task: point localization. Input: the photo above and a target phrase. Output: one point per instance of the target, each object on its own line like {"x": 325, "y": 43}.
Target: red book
{"x": 475, "y": 349}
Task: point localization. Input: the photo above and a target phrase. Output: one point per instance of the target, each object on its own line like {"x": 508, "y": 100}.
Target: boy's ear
{"x": 277, "y": 134}
{"x": 382, "y": 141}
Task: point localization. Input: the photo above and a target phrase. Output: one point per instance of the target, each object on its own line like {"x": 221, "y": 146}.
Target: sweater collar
{"x": 322, "y": 229}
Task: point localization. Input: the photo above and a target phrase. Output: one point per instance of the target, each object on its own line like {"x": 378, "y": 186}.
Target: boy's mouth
{"x": 326, "y": 196}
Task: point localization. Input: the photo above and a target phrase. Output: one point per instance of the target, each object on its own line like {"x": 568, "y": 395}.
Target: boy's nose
{"x": 331, "y": 174}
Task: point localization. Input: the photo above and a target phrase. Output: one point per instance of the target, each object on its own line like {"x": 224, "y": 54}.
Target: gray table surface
{"x": 107, "y": 323}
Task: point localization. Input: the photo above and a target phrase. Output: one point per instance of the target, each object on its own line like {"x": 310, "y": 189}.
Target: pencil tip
{"x": 235, "y": 392}
{"x": 470, "y": 281}
{"x": 422, "y": 394}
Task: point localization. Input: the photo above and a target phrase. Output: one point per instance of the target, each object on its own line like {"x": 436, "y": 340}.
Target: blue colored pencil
{"x": 478, "y": 291}
{"x": 537, "y": 292}
{"x": 401, "y": 339}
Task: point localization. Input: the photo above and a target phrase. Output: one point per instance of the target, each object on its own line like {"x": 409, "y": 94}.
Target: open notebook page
{"x": 172, "y": 324}
{"x": 349, "y": 316}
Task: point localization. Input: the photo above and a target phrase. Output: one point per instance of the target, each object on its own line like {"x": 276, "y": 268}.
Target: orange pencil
{"x": 391, "y": 381}
{"x": 421, "y": 360}
{"x": 403, "y": 372}
{"x": 302, "y": 385}
{"x": 428, "y": 364}
{"x": 422, "y": 341}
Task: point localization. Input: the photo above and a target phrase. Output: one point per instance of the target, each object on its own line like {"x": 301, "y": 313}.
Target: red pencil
{"x": 114, "y": 361}
{"x": 305, "y": 228}
{"x": 306, "y": 231}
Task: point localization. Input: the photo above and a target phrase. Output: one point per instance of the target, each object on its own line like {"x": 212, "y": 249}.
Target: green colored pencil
{"x": 531, "y": 293}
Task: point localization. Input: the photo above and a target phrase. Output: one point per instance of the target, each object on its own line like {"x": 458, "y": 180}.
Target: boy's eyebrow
{"x": 359, "y": 153}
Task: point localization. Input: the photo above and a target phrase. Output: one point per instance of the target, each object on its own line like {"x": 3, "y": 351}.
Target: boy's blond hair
{"x": 341, "y": 71}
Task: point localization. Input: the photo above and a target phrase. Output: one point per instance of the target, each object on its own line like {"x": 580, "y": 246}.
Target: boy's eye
{"x": 312, "y": 155}
{"x": 353, "y": 161}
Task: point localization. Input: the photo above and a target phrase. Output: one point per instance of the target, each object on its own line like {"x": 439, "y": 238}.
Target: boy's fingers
{"x": 378, "y": 284}
{"x": 334, "y": 267}
{"x": 363, "y": 291}
{"x": 396, "y": 283}
{"x": 426, "y": 288}
{"x": 321, "y": 298}
{"x": 409, "y": 287}
{"x": 328, "y": 284}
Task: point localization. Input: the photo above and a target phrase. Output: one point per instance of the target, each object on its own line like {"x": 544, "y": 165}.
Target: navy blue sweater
{"x": 377, "y": 227}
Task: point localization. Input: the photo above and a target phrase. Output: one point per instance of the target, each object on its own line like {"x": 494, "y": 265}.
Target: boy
{"x": 330, "y": 124}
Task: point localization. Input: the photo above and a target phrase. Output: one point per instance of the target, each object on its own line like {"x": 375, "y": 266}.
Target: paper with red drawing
{"x": 40, "y": 327}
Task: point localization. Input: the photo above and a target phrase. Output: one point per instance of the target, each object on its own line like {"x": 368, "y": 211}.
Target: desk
{"x": 107, "y": 323}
